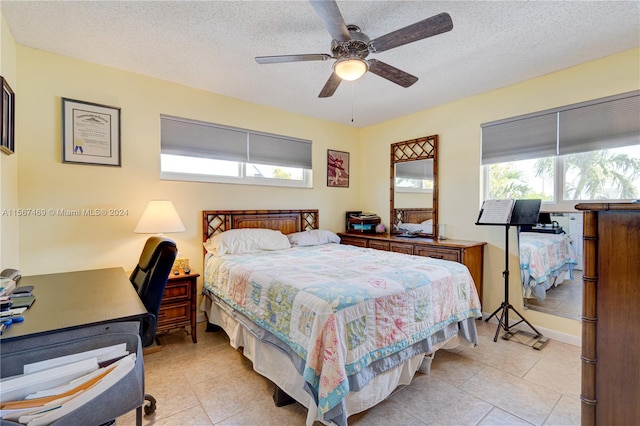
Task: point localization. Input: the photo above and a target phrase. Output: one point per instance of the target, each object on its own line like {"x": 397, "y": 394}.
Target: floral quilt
{"x": 341, "y": 307}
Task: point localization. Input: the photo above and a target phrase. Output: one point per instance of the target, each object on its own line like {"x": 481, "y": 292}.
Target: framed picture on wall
{"x": 337, "y": 168}
{"x": 90, "y": 133}
{"x": 7, "y": 111}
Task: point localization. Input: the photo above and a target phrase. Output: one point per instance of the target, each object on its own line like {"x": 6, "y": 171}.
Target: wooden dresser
{"x": 611, "y": 314}
{"x": 469, "y": 253}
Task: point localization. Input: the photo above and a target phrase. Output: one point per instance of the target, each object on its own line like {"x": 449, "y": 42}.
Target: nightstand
{"x": 178, "y": 307}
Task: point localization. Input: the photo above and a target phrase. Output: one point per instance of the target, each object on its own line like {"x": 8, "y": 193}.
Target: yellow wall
{"x": 457, "y": 125}
{"x": 56, "y": 243}
{"x": 9, "y": 238}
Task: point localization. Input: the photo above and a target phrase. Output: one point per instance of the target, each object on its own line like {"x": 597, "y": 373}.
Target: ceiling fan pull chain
{"x": 352, "y": 98}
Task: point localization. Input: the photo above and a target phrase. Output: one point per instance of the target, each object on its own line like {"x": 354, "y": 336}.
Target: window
{"x": 583, "y": 152}
{"x": 198, "y": 151}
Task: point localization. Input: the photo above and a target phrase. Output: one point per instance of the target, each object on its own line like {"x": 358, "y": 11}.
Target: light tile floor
{"x": 565, "y": 300}
{"x": 495, "y": 383}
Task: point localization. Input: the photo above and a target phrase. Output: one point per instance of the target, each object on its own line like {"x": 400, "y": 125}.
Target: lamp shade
{"x": 159, "y": 217}
{"x": 350, "y": 69}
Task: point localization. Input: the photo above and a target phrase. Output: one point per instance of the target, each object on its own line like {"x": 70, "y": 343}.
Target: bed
{"x": 546, "y": 260}
{"x": 335, "y": 327}
{"x": 414, "y": 220}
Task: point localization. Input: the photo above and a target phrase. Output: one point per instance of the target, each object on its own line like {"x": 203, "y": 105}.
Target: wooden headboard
{"x": 285, "y": 221}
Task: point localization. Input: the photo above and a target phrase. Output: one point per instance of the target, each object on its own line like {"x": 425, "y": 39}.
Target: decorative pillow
{"x": 313, "y": 237}
{"x": 246, "y": 240}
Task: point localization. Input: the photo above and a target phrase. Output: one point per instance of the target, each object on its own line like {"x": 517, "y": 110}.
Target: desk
{"x": 72, "y": 300}
{"x": 74, "y": 312}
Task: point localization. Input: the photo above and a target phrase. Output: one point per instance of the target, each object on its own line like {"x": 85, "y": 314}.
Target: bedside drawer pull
{"x": 435, "y": 256}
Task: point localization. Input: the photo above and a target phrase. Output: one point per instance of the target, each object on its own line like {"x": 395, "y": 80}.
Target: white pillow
{"x": 427, "y": 226}
{"x": 411, "y": 227}
{"x": 247, "y": 240}
{"x": 313, "y": 237}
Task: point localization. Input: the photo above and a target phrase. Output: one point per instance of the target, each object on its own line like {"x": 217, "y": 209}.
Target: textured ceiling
{"x": 211, "y": 45}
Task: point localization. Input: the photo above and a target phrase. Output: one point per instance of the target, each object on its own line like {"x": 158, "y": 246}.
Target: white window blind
{"x": 279, "y": 151}
{"x": 421, "y": 169}
{"x": 609, "y": 122}
{"x": 193, "y": 138}
{"x": 520, "y": 138}
{"x": 604, "y": 125}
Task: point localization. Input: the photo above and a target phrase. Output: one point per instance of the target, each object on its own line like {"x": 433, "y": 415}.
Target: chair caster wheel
{"x": 150, "y": 408}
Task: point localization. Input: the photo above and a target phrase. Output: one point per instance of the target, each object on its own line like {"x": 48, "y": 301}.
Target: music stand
{"x": 522, "y": 212}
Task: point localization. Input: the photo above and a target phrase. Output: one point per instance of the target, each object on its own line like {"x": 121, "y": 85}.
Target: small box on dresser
{"x": 178, "y": 307}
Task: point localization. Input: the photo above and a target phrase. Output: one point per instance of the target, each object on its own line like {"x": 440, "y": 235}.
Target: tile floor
{"x": 564, "y": 300}
{"x": 495, "y": 383}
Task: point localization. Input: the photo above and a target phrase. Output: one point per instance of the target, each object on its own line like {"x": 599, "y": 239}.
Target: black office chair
{"x": 149, "y": 279}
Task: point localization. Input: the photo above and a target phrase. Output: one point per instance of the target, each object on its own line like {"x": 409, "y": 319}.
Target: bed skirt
{"x": 275, "y": 363}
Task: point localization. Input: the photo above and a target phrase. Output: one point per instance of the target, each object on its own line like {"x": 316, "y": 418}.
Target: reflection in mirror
{"x": 414, "y": 186}
{"x": 551, "y": 264}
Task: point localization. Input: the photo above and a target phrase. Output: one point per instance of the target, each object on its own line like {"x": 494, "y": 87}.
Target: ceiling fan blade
{"x": 392, "y": 74}
{"x": 332, "y": 19}
{"x": 292, "y": 58}
{"x": 435, "y": 25}
{"x": 330, "y": 86}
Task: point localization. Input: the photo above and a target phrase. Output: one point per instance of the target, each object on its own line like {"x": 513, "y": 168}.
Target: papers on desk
{"x": 55, "y": 387}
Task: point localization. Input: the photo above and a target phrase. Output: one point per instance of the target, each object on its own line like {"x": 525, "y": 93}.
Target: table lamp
{"x": 161, "y": 217}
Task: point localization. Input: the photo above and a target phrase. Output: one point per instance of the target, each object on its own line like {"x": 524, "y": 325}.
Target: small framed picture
{"x": 7, "y": 111}
{"x": 337, "y": 168}
{"x": 90, "y": 133}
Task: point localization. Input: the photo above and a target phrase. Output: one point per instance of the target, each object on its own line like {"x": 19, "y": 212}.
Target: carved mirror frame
{"x": 411, "y": 150}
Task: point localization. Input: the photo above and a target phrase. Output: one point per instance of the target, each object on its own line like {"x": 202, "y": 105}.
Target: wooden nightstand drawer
{"x": 178, "y": 307}
{"x": 379, "y": 245}
{"x": 174, "y": 313}
{"x": 439, "y": 253}
{"x": 176, "y": 291}
{"x": 354, "y": 242}
{"x": 401, "y": 248}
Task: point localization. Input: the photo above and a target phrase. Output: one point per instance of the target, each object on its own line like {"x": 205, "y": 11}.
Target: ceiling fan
{"x": 350, "y": 47}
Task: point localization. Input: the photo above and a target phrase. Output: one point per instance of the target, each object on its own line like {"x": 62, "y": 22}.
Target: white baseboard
{"x": 551, "y": 334}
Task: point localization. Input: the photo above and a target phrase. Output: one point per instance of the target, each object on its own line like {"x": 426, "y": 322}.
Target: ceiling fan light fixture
{"x": 350, "y": 69}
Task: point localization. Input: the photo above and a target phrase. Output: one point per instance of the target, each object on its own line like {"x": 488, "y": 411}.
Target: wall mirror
{"x": 414, "y": 186}
{"x": 551, "y": 264}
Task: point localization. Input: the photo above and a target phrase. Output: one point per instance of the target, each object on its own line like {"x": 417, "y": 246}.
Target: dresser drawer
{"x": 174, "y": 313}
{"x": 379, "y": 245}
{"x": 401, "y": 248}
{"x": 176, "y": 291}
{"x": 358, "y": 242}
{"x": 438, "y": 253}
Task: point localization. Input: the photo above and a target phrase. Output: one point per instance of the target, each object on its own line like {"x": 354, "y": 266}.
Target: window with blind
{"x": 199, "y": 151}
{"x": 582, "y": 152}
{"x": 414, "y": 176}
